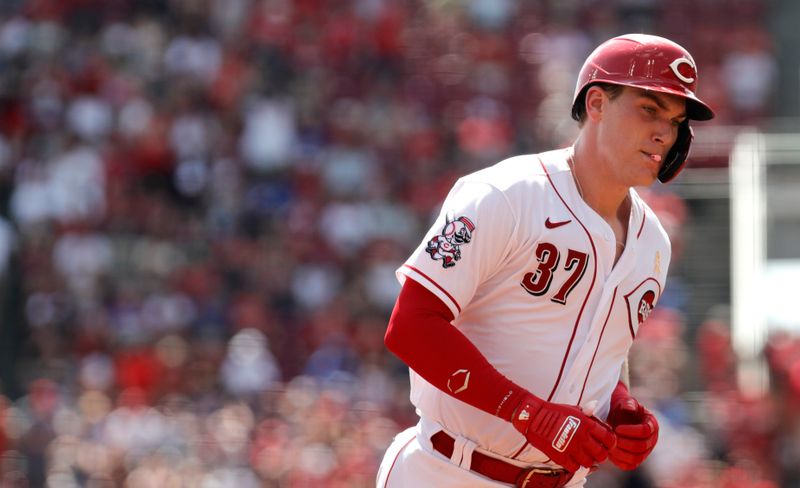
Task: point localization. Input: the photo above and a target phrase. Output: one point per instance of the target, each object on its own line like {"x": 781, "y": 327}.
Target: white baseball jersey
{"x": 527, "y": 268}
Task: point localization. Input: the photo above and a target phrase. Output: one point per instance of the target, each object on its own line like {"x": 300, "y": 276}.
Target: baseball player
{"x": 519, "y": 307}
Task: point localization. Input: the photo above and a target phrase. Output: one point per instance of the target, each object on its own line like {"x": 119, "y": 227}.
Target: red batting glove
{"x": 564, "y": 433}
{"x": 636, "y": 429}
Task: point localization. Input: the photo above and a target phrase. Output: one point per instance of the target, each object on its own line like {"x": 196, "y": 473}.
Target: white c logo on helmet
{"x": 674, "y": 66}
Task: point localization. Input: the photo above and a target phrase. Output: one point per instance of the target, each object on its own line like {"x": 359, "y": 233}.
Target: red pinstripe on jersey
{"x": 431, "y": 281}
{"x": 641, "y": 227}
{"x": 591, "y": 285}
{"x": 599, "y": 339}
{"x": 394, "y": 461}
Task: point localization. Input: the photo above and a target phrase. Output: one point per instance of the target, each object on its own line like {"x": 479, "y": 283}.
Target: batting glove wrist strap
{"x": 620, "y": 393}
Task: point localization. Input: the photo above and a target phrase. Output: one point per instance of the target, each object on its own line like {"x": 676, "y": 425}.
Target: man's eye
{"x": 650, "y": 110}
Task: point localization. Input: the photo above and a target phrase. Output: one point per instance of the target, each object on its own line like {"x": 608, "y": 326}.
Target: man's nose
{"x": 664, "y": 134}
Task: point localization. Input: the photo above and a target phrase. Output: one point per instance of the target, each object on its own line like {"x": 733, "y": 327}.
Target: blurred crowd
{"x": 203, "y": 202}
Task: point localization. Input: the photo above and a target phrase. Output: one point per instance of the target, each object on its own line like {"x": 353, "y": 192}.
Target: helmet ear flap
{"x": 676, "y": 157}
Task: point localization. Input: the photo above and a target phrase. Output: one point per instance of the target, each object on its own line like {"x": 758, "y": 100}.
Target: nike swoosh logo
{"x": 552, "y": 225}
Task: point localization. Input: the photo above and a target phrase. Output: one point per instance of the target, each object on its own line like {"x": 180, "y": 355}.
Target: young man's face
{"x": 636, "y": 131}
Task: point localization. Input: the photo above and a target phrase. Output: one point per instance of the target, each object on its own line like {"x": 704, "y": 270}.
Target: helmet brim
{"x": 696, "y": 109}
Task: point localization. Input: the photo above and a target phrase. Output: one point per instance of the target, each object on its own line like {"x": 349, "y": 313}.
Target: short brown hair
{"x": 579, "y": 107}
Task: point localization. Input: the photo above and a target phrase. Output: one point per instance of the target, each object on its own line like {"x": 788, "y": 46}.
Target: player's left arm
{"x": 635, "y": 426}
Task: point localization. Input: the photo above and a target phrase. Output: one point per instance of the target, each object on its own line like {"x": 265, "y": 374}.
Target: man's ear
{"x": 595, "y": 100}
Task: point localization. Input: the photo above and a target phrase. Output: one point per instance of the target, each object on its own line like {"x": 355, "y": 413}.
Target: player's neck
{"x": 597, "y": 189}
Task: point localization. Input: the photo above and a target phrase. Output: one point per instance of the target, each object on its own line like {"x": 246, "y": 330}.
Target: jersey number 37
{"x": 538, "y": 282}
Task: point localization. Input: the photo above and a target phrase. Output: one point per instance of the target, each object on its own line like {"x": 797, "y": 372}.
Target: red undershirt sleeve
{"x": 421, "y": 334}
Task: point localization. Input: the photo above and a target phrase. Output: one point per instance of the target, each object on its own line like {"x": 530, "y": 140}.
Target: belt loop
{"x": 462, "y": 452}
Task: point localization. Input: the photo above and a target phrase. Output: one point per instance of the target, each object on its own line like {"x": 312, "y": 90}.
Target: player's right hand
{"x": 563, "y": 432}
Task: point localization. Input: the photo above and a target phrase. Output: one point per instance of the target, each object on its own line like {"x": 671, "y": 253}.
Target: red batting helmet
{"x": 651, "y": 63}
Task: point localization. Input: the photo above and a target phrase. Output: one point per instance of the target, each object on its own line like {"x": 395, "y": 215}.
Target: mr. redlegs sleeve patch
{"x": 447, "y": 245}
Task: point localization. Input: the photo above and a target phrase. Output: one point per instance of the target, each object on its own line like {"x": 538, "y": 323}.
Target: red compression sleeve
{"x": 420, "y": 333}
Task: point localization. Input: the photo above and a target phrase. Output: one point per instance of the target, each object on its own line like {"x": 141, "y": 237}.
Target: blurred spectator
{"x": 248, "y": 367}
{"x": 750, "y": 70}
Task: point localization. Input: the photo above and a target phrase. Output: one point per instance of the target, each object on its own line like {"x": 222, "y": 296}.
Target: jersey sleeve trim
{"x": 432, "y": 286}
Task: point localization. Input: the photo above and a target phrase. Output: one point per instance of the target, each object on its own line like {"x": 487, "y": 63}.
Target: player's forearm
{"x": 420, "y": 333}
